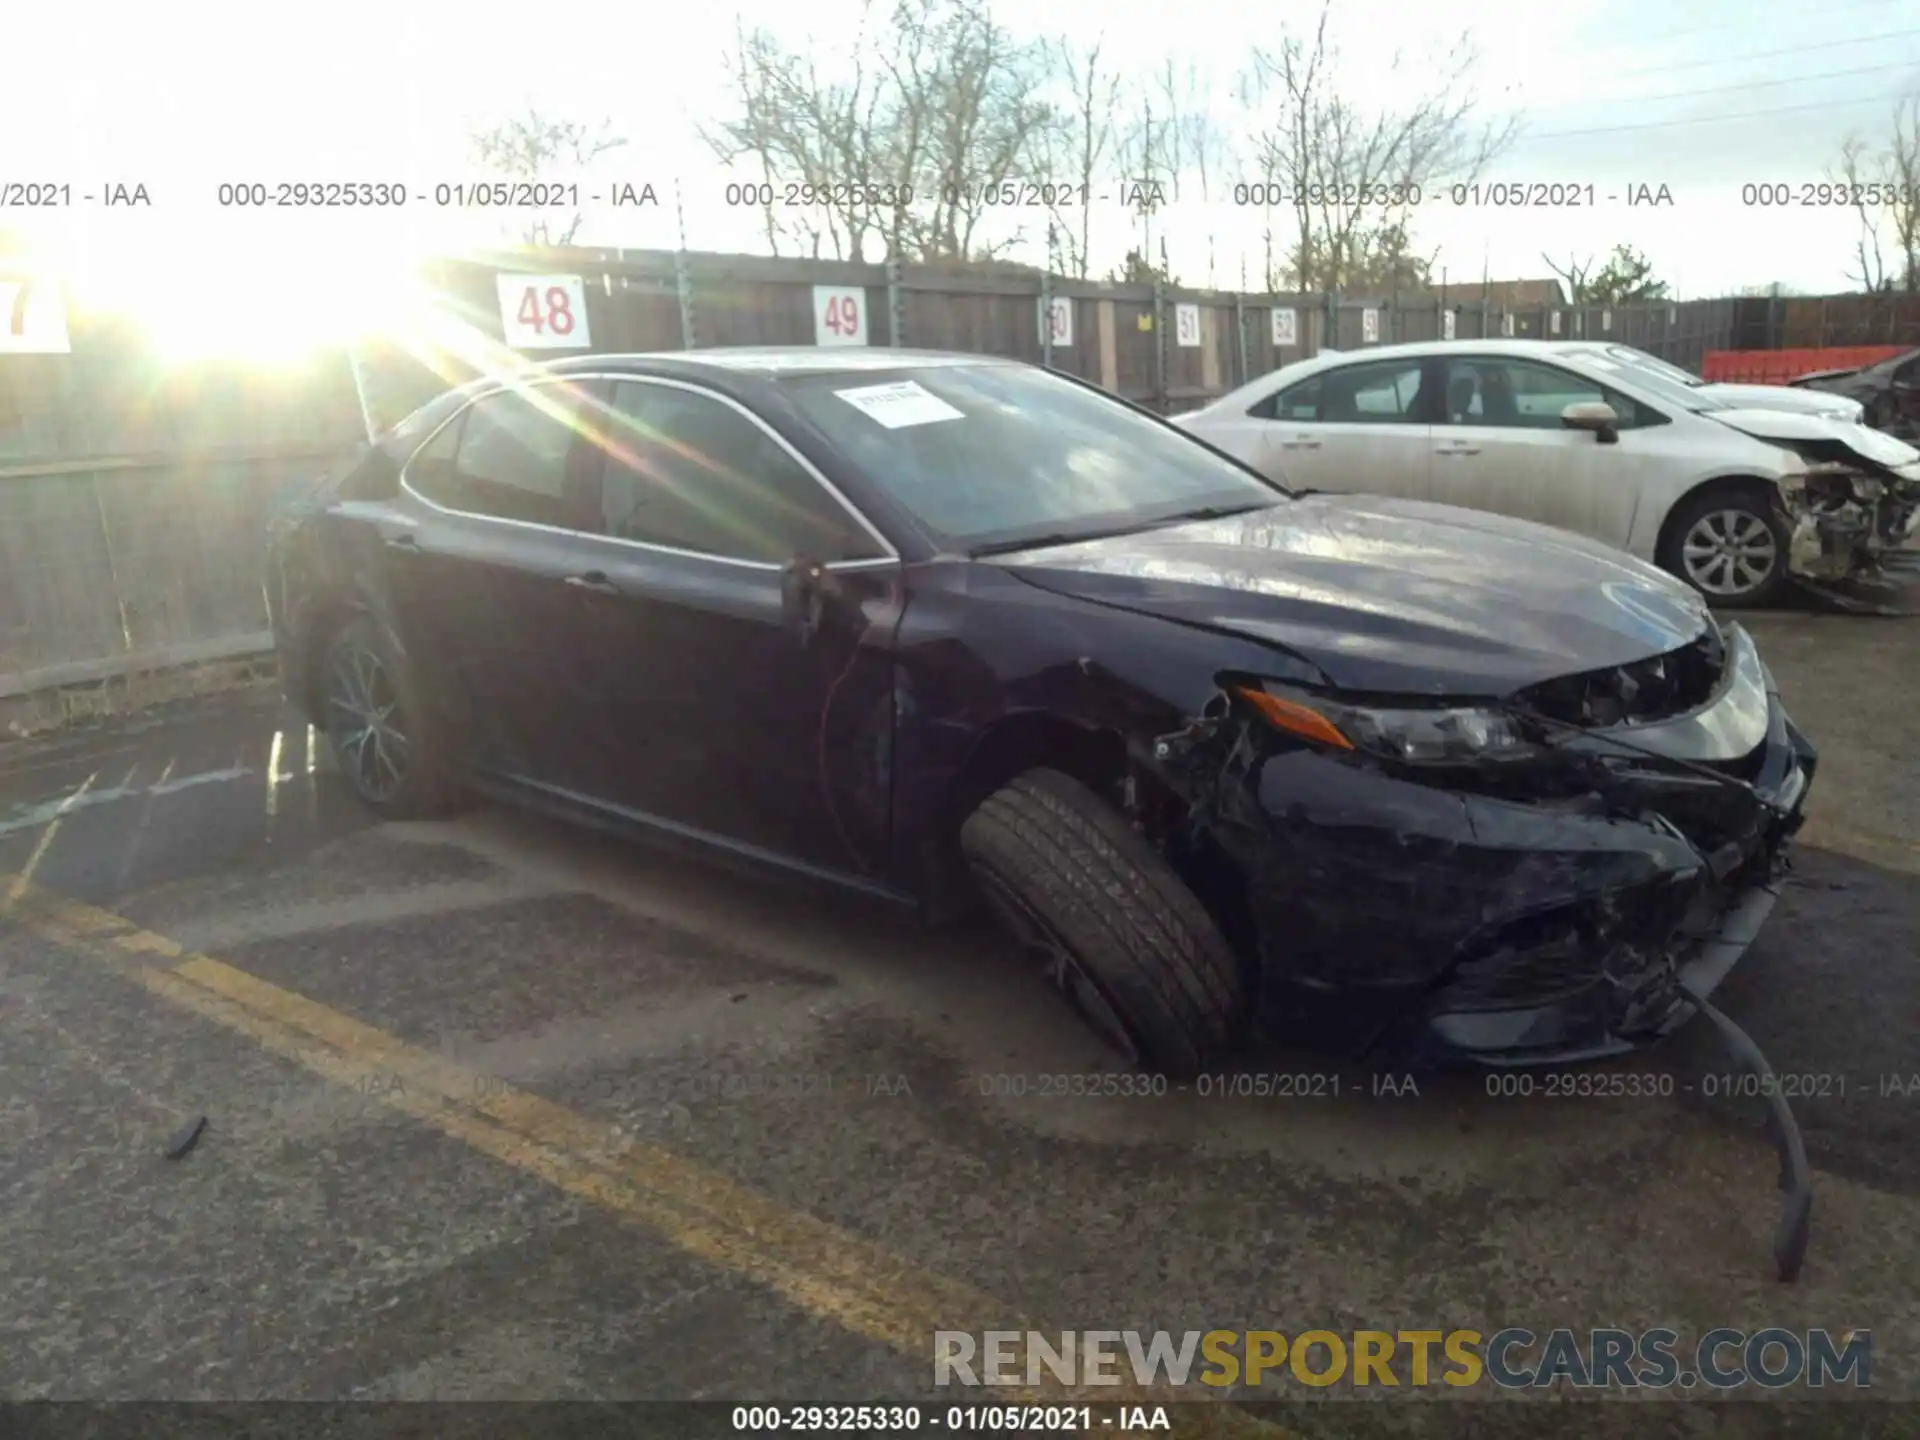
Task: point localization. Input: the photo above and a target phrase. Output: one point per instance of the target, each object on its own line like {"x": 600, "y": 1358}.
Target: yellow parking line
{"x": 829, "y": 1272}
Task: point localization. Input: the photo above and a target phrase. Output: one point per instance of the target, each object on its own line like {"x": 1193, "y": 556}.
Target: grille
{"x": 1657, "y": 688}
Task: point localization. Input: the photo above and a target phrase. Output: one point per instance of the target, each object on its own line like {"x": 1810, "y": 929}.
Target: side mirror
{"x": 1594, "y": 415}
{"x": 808, "y": 591}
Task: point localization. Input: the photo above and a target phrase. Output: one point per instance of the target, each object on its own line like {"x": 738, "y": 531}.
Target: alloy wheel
{"x": 1730, "y": 553}
{"x": 363, "y": 719}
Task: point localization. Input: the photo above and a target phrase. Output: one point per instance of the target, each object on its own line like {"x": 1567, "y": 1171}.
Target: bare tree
{"x": 1349, "y": 177}
{"x": 534, "y": 147}
{"x": 1883, "y": 184}
{"x": 1627, "y": 277}
{"x": 1080, "y": 142}
{"x": 906, "y": 145}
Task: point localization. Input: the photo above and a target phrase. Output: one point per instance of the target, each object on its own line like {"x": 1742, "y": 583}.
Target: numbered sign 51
{"x": 839, "y": 315}
{"x": 1057, "y": 321}
{"x": 1186, "y": 325}
{"x": 543, "y": 312}
{"x": 1286, "y": 327}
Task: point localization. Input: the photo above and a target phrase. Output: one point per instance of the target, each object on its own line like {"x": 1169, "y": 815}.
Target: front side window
{"x": 509, "y": 457}
{"x": 1525, "y": 395}
{"x": 691, "y": 472}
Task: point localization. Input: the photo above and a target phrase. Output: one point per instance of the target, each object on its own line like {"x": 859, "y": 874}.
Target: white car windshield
{"x": 1629, "y": 365}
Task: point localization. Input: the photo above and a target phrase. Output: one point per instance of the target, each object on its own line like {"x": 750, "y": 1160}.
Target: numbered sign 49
{"x": 1286, "y": 327}
{"x": 839, "y": 315}
{"x": 1186, "y": 325}
{"x": 1057, "y": 321}
{"x": 543, "y": 312}
{"x": 1370, "y": 326}
{"x": 33, "y": 319}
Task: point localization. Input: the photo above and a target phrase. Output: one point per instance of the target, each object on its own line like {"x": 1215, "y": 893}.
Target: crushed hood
{"x": 1389, "y": 596}
{"x": 1879, "y": 451}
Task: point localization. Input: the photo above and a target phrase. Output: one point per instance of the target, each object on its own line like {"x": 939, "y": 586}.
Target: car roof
{"x": 1492, "y": 345}
{"x": 775, "y": 360}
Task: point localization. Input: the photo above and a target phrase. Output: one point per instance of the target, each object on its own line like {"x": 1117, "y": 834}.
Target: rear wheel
{"x": 388, "y": 748}
{"x": 1109, "y": 921}
{"x": 1730, "y": 545}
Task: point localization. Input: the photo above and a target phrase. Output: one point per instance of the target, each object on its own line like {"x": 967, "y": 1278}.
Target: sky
{"x": 1702, "y": 98}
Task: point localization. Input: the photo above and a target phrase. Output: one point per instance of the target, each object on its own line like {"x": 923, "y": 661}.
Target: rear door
{"x": 1501, "y": 446}
{"x": 1359, "y": 427}
{"x": 483, "y": 570}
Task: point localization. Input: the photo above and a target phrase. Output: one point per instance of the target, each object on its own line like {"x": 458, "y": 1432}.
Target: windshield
{"x": 1672, "y": 373}
{"x": 1638, "y": 368}
{"x": 993, "y": 455}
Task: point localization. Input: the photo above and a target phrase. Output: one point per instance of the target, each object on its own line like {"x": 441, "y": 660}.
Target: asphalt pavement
{"x": 500, "y": 1109}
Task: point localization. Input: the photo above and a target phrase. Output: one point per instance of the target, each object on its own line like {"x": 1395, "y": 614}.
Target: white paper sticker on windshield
{"x": 899, "y": 405}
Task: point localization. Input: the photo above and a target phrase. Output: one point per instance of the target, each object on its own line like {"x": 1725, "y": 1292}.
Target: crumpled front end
{"x": 1554, "y": 910}
{"x": 1847, "y": 515}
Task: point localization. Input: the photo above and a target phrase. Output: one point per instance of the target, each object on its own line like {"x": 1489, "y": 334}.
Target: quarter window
{"x": 511, "y": 456}
{"x": 689, "y": 471}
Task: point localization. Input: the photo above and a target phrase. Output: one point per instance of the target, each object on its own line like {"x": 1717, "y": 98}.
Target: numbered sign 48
{"x": 1057, "y": 321}
{"x": 839, "y": 315}
{"x": 1186, "y": 325}
{"x": 1286, "y": 327}
{"x": 543, "y": 312}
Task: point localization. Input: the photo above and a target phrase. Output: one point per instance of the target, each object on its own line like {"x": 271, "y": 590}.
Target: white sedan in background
{"x": 1733, "y": 498}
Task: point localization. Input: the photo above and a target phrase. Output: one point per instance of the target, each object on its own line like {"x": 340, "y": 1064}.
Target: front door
{"x": 717, "y": 714}
{"x": 1501, "y": 446}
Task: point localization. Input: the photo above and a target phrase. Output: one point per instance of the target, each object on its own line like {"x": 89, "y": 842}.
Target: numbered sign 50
{"x": 839, "y": 315}
{"x": 543, "y": 312}
{"x": 1056, "y": 321}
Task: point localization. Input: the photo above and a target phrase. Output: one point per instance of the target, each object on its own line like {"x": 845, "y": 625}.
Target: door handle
{"x": 594, "y": 580}
{"x": 401, "y": 540}
{"x": 1301, "y": 444}
{"x": 1457, "y": 449}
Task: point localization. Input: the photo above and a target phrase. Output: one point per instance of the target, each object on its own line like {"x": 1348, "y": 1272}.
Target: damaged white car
{"x": 1739, "y": 501}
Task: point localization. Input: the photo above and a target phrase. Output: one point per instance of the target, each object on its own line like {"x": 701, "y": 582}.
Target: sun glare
{"x": 272, "y": 305}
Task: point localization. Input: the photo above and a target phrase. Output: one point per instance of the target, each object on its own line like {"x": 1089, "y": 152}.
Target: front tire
{"x": 1118, "y": 931}
{"x": 392, "y": 753}
{"x": 1730, "y": 544}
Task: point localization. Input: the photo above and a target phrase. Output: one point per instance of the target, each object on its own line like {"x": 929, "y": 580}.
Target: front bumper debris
{"x": 1846, "y": 524}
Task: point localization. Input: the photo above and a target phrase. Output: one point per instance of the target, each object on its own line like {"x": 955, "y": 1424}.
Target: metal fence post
{"x": 896, "y": 304}
{"x": 1046, "y": 316}
{"x": 1159, "y": 346}
{"x": 1333, "y": 318}
{"x": 683, "y": 284}
{"x": 1240, "y": 376}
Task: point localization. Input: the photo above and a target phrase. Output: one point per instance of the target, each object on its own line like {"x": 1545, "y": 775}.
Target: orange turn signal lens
{"x": 1294, "y": 718}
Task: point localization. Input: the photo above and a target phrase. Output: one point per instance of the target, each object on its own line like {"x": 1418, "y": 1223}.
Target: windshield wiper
{"x": 1033, "y": 542}
{"x": 1219, "y": 512}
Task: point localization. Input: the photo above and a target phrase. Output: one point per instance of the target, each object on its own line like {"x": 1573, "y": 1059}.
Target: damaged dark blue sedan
{"x": 1412, "y": 780}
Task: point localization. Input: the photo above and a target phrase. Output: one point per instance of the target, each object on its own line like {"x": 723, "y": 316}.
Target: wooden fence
{"x": 133, "y": 492}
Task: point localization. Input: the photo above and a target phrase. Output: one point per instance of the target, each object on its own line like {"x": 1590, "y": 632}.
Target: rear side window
{"x": 511, "y": 456}
{"x": 1386, "y": 392}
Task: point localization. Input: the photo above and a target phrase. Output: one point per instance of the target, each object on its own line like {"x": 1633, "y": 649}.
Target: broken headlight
{"x": 1411, "y": 734}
